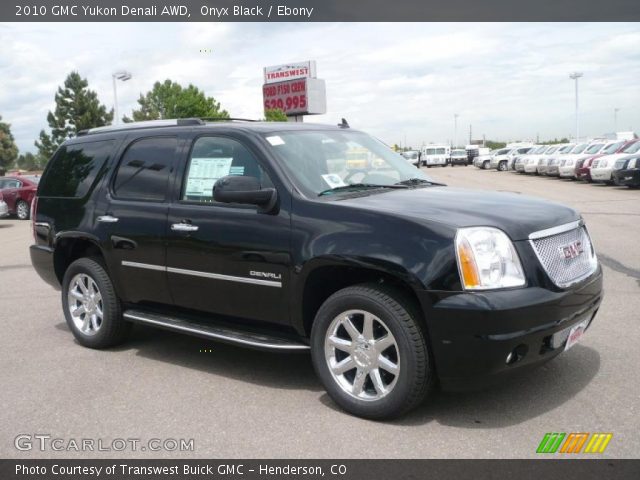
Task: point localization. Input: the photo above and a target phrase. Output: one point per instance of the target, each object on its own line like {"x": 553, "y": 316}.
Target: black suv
{"x": 298, "y": 237}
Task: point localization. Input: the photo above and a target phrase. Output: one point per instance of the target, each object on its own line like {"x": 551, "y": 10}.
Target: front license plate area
{"x": 575, "y": 334}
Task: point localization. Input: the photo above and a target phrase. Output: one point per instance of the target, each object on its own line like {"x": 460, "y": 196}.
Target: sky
{"x": 402, "y": 82}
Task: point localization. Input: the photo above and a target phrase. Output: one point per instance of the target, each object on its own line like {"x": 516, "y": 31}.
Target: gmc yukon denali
{"x": 266, "y": 235}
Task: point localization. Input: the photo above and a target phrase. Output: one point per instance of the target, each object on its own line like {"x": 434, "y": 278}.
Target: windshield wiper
{"x": 358, "y": 186}
{"x": 418, "y": 181}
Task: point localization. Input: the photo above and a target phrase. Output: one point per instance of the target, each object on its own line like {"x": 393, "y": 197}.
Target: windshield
{"x": 567, "y": 149}
{"x": 633, "y": 148}
{"x": 459, "y": 153}
{"x": 410, "y": 155}
{"x": 612, "y": 147}
{"x": 319, "y": 161}
{"x": 594, "y": 148}
{"x": 580, "y": 148}
{"x": 551, "y": 150}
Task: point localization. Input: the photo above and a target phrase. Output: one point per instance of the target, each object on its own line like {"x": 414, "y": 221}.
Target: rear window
{"x": 75, "y": 168}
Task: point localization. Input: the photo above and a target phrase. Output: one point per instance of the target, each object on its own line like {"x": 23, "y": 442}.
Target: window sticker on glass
{"x": 203, "y": 173}
{"x": 275, "y": 140}
{"x": 333, "y": 180}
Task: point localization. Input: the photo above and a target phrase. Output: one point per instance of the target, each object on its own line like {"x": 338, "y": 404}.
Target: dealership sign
{"x": 290, "y": 71}
{"x": 294, "y": 89}
{"x": 305, "y": 96}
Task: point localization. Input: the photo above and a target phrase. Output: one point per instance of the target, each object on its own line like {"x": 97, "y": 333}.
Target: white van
{"x": 433, "y": 155}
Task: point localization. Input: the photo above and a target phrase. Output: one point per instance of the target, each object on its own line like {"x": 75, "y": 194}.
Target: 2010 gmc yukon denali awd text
{"x": 305, "y": 237}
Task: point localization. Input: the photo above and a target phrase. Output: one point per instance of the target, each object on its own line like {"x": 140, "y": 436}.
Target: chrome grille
{"x": 594, "y": 164}
{"x": 559, "y": 254}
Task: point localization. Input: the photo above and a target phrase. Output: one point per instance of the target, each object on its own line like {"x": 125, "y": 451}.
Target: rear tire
{"x": 91, "y": 307}
{"x": 356, "y": 363}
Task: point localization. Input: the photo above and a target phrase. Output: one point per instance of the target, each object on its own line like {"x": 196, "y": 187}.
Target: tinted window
{"x": 74, "y": 169}
{"x": 215, "y": 157}
{"x": 144, "y": 170}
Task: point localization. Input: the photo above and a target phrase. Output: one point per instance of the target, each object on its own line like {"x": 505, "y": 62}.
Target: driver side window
{"x": 212, "y": 158}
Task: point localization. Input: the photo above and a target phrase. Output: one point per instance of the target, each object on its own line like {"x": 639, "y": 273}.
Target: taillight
{"x": 34, "y": 207}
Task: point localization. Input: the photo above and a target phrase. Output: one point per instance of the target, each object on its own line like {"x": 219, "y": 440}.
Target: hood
{"x": 517, "y": 215}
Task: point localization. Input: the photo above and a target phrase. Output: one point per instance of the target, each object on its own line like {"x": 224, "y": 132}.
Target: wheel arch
{"x": 322, "y": 279}
{"x": 71, "y": 246}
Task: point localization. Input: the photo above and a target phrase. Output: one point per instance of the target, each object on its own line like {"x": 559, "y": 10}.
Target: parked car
{"x": 583, "y": 169}
{"x": 523, "y": 160}
{"x": 18, "y": 192}
{"x": 459, "y": 157}
{"x": 553, "y": 165}
{"x": 516, "y": 155}
{"x": 4, "y": 208}
{"x": 483, "y": 160}
{"x": 629, "y": 173}
{"x": 412, "y": 157}
{"x": 502, "y": 161}
{"x": 258, "y": 234}
{"x": 533, "y": 159}
{"x": 544, "y": 159}
{"x": 602, "y": 167}
{"x": 435, "y": 155}
{"x": 567, "y": 165}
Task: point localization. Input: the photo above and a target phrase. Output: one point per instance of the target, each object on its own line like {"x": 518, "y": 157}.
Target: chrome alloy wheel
{"x": 22, "y": 210}
{"x": 85, "y": 304}
{"x": 362, "y": 355}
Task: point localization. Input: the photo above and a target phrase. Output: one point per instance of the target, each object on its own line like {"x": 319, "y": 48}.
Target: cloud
{"x": 395, "y": 80}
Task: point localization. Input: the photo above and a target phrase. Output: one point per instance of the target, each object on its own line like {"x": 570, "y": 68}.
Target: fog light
{"x": 517, "y": 354}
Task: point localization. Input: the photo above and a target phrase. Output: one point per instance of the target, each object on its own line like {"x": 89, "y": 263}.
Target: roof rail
{"x": 232, "y": 119}
{"x": 144, "y": 124}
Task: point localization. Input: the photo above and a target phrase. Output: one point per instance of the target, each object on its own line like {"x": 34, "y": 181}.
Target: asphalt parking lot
{"x": 246, "y": 404}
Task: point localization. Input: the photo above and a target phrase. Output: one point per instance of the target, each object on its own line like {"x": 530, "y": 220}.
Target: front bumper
{"x": 472, "y": 334}
{"x": 601, "y": 174}
{"x": 567, "y": 172}
{"x": 627, "y": 178}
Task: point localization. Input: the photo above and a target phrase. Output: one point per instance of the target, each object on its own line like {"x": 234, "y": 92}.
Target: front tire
{"x": 91, "y": 307}
{"x": 22, "y": 210}
{"x": 370, "y": 352}
{"x": 502, "y": 166}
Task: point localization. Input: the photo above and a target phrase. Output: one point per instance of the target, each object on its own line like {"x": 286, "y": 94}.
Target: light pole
{"x": 615, "y": 119}
{"x": 122, "y": 75}
{"x": 455, "y": 130}
{"x": 575, "y": 76}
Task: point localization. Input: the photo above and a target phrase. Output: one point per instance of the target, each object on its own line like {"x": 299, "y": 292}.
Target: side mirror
{"x": 245, "y": 190}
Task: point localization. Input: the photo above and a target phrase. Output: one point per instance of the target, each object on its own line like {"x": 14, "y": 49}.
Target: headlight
{"x": 487, "y": 259}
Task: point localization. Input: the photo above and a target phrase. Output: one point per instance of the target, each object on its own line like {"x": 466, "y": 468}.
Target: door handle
{"x": 107, "y": 219}
{"x": 184, "y": 227}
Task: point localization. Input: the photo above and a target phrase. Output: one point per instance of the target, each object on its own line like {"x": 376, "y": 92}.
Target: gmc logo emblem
{"x": 572, "y": 250}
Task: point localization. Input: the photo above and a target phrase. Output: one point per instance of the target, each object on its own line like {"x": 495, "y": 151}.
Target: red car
{"x": 18, "y": 192}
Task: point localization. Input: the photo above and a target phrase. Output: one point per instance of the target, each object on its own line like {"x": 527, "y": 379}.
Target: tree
{"x": 170, "y": 100}
{"x": 29, "y": 161}
{"x": 275, "y": 115}
{"x": 555, "y": 141}
{"x": 77, "y": 108}
{"x": 8, "y": 148}
{"x": 494, "y": 145}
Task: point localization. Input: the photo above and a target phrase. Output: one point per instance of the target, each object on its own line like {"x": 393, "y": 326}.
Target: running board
{"x": 216, "y": 332}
